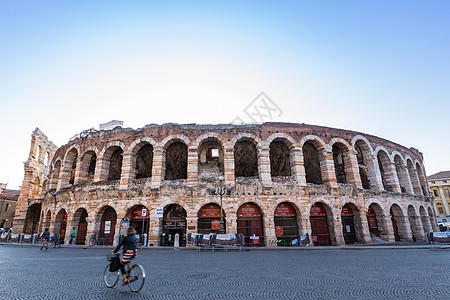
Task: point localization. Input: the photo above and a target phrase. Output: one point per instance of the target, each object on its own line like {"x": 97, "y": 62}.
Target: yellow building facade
{"x": 440, "y": 188}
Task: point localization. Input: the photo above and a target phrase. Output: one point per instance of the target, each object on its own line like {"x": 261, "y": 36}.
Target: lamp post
{"x": 221, "y": 189}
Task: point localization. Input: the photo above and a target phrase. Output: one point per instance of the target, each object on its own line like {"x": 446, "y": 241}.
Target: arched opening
{"x": 398, "y": 223}
{"x": 55, "y": 175}
{"x": 348, "y": 225}
{"x": 422, "y": 180}
{"x": 108, "y": 225}
{"x": 286, "y": 226}
{"x": 372, "y": 221}
{"x": 416, "y": 227}
{"x": 363, "y": 157}
{"x": 318, "y": 218}
{"x": 414, "y": 178}
{"x": 403, "y": 178}
{"x": 47, "y": 220}
{"x": 280, "y": 161}
{"x": 32, "y": 219}
{"x": 384, "y": 164}
{"x": 210, "y": 160}
{"x": 61, "y": 224}
{"x": 338, "y": 150}
{"x": 80, "y": 217}
{"x": 245, "y": 158}
{"x": 312, "y": 163}
{"x": 71, "y": 163}
{"x": 138, "y": 221}
{"x": 43, "y": 189}
{"x": 39, "y": 153}
{"x": 425, "y": 220}
{"x": 432, "y": 219}
{"x": 250, "y": 225}
{"x": 209, "y": 219}
{"x": 176, "y": 161}
{"x": 88, "y": 163}
{"x": 144, "y": 161}
{"x": 115, "y": 164}
{"x": 174, "y": 222}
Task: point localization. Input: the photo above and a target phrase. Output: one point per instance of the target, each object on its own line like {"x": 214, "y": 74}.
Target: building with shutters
{"x": 440, "y": 189}
{"x": 282, "y": 180}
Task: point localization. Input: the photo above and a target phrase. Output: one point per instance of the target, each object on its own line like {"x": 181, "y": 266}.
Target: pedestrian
{"x": 74, "y": 234}
{"x": 45, "y": 237}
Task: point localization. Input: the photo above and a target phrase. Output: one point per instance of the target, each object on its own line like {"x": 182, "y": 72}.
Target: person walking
{"x": 45, "y": 237}
{"x": 74, "y": 234}
{"x": 129, "y": 251}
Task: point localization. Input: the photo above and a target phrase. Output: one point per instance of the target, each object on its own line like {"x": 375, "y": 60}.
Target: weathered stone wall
{"x": 180, "y": 176}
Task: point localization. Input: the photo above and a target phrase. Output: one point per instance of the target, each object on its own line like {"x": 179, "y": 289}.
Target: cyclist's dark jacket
{"x": 128, "y": 243}
{"x": 45, "y": 235}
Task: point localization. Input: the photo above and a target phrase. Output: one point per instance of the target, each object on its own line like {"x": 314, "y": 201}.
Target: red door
{"x": 81, "y": 234}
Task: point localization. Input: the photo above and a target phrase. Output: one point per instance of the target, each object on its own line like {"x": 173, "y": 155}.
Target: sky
{"x": 377, "y": 67}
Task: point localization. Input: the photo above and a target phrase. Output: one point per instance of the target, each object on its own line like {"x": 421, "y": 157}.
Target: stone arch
{"x": 256, "y": 140}
{"x": 313, "y": 149}
{"x": 425, "y": 220}
{"x": 321, "y": 220}
{"x": 281, "y": 156}
{"x": 56, "y": 170}
{"x": 356, "y": 220}
{"x": 422, "y": 179}
{"x": 174, "y": 222}
{"x": 105, "y": 223}
{"x": 385, "y": 167}
{"x": 88, "y": 163}
{"x": 142, "y": 154}
{"x": 413, "y": 177}
{"x": 377, "y": 222}
{"x": 112, "y": 157}
{"x": 341, "y": 150}
{"x": 365, "y": 158}
{"x": 250, "y": 224}
{"x": 79, "y": 221}
{"x": 290, "y": 142}
{"x": 69, "y": 165}
{"x": 246, "y": 157}
{"x": 176, "y": 158}
{"x": 287, "y": 222}
{"x": 415, "y": 224}
{"x": 60, "y": 226}
{"x": 210, "y": 149}
{"x": 172, "y": 138}
{"x": 402, "y": 173}
{"x": 140, "y": 223}
{"x": 402, "y": 232}
{"x": 32, "y": 218}
{"x": 208, "y": 218}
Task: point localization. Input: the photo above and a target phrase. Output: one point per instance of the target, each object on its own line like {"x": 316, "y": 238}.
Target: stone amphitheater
{"x": 281, "y": 181}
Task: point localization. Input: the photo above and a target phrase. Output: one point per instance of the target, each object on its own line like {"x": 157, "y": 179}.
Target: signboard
{"x": 255, "y": 239}
{"x": 346, "y": 211}
{"x": 285, "y": 210}
{"x": 107, "y": 227}
{"x": 209, "y": 211}
{"x": 139, "y": 213}
{"x": 372, "y": 223}
{"x": 317, "y": 210}
{"x": 215, "y": 225}
{"x": 144, "y": 212}
{"x": 347, "y": 228}
{"x": 278, "y": 230}
{"x": 314, "y": 238}
{"x": 125, "y": 219}
{"x": 159, "y": 212}
{"x": 248, "y": 210}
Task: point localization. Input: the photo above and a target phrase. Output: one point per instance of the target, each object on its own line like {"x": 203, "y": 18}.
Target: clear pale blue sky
{"x": 379, "y": 67}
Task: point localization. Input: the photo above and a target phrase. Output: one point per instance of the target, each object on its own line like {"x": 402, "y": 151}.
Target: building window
{"x": 447, "y": 193}
{"x": 433, "y": 182}
{"x": 441, "y": 211}
{"x": 6, "y": 206}
{"x": 445, "y": 181}
{"x": 436, "y": 194}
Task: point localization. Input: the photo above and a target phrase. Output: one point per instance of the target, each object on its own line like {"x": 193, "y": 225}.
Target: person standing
{"x": 74, "y": 234}
{"x": 45, "y": 237}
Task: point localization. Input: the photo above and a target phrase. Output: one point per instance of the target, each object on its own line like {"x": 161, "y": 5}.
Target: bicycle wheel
{"x": 91, "y": 241}
{"x": 110, "y": 278}
{"x": 136, "y": 278}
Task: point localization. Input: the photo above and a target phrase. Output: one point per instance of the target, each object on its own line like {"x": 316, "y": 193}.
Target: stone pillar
{"x": 336, "y": 225}
{"x": 269, "y": 230}
{"x": 297, "y": 166}
{"x": 403, "y": 178}
{"x": 70, "y": 223}
{"x": 416, "y": 228}
{"x": 373, "y": 173}
{"x": 101, "y": 169}
{"x": 158, "y": 166}
{"x": 362, "y": 232}
{"x": 231, "y": 224}
{"x": 77, "y": 170}
{"x": 387, "y": 232}
{"x": 190, "y": 222}
{"x": 392, "y": 178}
{"x": 305, "y": 224}
{"x": 404, "y": 228}
{"x": 128, "y": 172}
{"x": 327, "y": 169}
{"x": 228, "y": 162}
{"x": 415, "y": 181}
{"x": 154, "y": 229}
{"x": 192, "y": 166}
{"x": 64, "y": 176}
{"x": 352, "y": 168}
{"x": 426, "y": 224}
{"x": 264, "y": 164}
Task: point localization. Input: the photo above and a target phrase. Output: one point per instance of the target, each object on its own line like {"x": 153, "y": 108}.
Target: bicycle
{"x": 135, "y": 275}
{"x": 55, "y": 240}
{"x": 96, "y": 240}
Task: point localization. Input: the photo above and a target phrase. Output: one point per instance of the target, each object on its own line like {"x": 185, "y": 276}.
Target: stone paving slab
{"x": 76, "y": 273}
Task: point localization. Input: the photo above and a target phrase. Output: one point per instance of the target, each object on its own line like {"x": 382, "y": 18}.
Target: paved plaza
{"x": 76, "y": 273}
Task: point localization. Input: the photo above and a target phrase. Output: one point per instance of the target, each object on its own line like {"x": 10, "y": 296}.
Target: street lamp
{"x": 221, "y": 189}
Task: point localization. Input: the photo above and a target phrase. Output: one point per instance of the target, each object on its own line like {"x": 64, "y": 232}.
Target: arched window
{"x": 245, "y": 158}
{"x": 312, "y": 163}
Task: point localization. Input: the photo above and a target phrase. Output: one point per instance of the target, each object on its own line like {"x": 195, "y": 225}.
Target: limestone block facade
{"x": 283, "y": 180}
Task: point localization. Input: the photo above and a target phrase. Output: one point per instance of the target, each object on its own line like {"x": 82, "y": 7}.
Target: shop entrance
{"x": 286, "y": 227}
{"x": 82, "y": 228}
{"x": 348, "y": 225}
{"x": 319, "y": 225}
{"x": 249, "y": 224}
{"x": 174, "y": 221}
{"x": 209, "y": 219}
{"x": 61, "y": 224}
{"x": 372, "y": 221}
{"x": 138, "y": 222}
{"x": 32, "y": 219}
{"x": 108, "y": 225}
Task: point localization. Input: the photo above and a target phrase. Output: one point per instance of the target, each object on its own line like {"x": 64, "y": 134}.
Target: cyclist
{"x": 129, "y": 251}
{"x": 45, "y": 237}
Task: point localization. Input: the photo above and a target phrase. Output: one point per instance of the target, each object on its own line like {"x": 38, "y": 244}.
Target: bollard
{"x": 176, "y": 242}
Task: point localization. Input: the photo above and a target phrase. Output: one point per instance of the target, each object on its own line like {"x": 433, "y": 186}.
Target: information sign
{"x": 144, "y": 212}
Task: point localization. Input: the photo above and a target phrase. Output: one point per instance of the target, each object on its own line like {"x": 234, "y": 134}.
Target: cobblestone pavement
{"x": 68, "y": 273}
